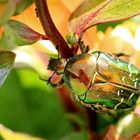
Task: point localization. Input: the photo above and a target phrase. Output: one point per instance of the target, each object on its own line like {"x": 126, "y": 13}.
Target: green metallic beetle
{"x": 101, "y": 81}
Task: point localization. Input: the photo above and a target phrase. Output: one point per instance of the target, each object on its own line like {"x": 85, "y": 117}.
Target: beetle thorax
{"x": 80, "y": 71}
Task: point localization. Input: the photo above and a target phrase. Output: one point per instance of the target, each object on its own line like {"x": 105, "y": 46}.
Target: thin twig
{"x": 50, "y": 29}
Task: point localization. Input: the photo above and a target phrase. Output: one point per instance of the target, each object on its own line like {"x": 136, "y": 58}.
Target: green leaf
{"x": 6, "y": 62}
{"x": 5, "y": 43}
{"x": 128, "y": 125}
{"x": 20, "y": 34}
{"x": 92, "y": 12}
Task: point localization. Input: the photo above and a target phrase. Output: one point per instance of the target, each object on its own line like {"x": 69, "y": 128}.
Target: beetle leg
{"x": 55, "y": 80}
{"x": 47, "y": 80}
{"x": 83, "y": 48}
{"x": 120, "y": 54}
{"x": 58, "y": 84}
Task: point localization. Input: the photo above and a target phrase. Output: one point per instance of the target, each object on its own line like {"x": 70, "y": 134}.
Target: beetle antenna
{"x": 49, "y": 80}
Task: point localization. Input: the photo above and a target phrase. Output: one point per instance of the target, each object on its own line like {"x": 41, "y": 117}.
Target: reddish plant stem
{"x": 82, "y": 27}
{"x": 50, "y": 29}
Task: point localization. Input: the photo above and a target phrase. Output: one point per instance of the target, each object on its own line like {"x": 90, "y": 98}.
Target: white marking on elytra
{"x": 121, "y": 90}
{"x": 122, "y": 99}
{"x": 130, "y": 74}
{"x": 129, "y": 67}
{"x": 135, "y": 84}
{"x": 118, "y": 93}
{"x": 131, "y": 95}
{"x": 123, "y": 79}
{"x": 118, "y": 60}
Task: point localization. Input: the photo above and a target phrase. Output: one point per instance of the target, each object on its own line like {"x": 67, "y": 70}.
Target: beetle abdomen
{"x": 109, "y": 96}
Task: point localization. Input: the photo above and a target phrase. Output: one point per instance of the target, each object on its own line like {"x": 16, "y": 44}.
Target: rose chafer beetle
{"x": 100, "y": 80}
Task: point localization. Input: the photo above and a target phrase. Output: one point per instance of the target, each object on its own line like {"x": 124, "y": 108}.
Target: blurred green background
{"x": 29, "y": 105}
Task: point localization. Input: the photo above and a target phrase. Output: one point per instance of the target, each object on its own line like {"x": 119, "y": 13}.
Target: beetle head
{"x": 57, "y": 65}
